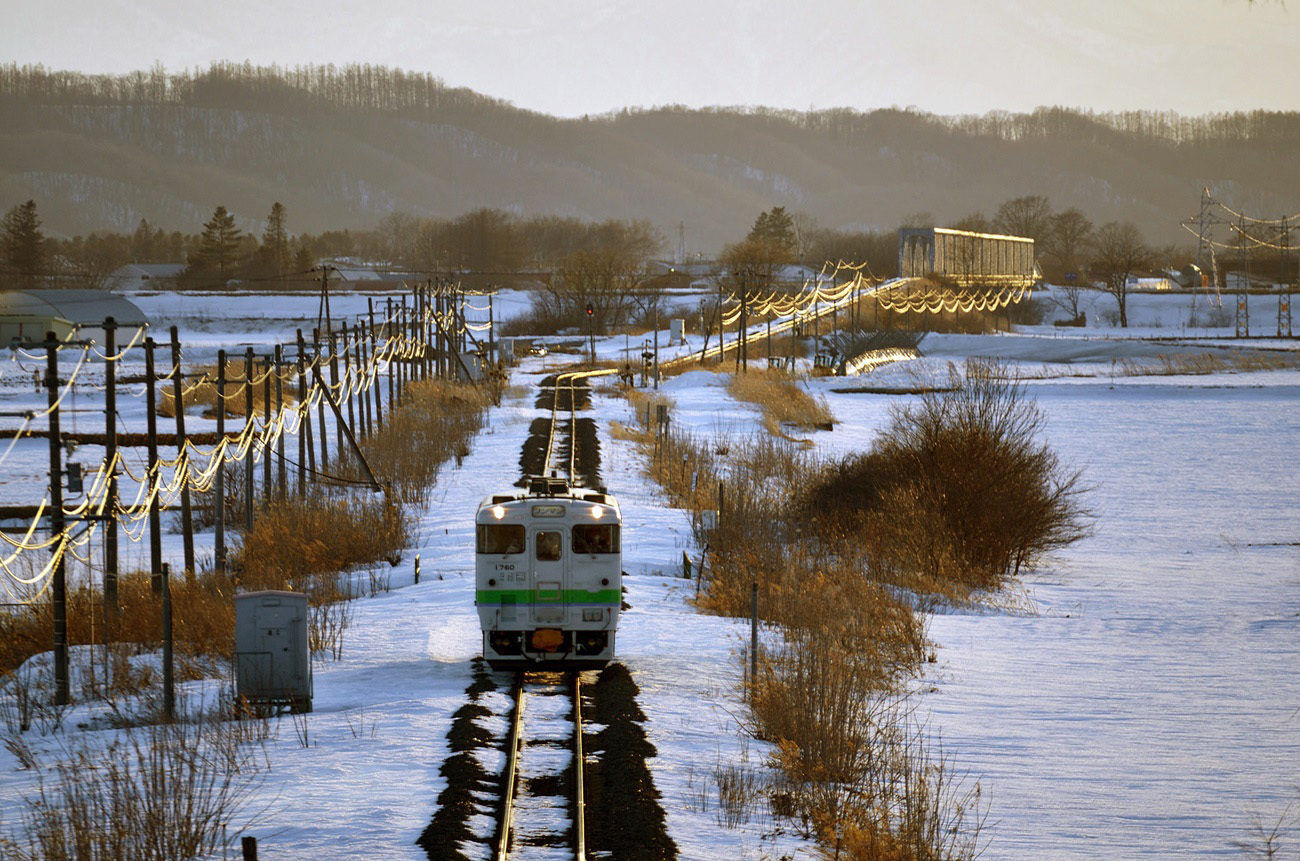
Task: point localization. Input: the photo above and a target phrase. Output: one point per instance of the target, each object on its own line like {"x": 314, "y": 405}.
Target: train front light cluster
{"x": 592, "y": 614}
{"x": 591, "y": 642}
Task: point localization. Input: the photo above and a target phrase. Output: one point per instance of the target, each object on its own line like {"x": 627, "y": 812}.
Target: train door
{"x": 549, "y": 578}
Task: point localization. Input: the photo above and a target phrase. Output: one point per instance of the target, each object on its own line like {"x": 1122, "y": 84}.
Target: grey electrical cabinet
{"x": 272, "y": 660}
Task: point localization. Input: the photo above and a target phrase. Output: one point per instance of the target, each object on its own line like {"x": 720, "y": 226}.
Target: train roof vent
{"x": 543, "y": 486}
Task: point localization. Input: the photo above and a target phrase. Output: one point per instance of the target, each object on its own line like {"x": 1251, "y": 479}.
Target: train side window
{"x": 501, "y": 538}
{"x": 595, "y": 538}
{"x": 548, "y": 546}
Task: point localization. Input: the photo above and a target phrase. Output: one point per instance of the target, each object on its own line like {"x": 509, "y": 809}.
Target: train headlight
{"x": 498, "y": 511}
{"x": 597, "y": 512}
{"x": 591, "y": 614}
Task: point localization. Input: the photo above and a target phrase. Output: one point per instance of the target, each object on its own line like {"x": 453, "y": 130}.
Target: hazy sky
{"x": 570, "y": 57}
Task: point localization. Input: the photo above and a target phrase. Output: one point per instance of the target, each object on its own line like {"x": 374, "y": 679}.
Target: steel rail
{"x": 561, "y": 380}
{"x": 510, "y": 775}
{"x": 579, "y": 767}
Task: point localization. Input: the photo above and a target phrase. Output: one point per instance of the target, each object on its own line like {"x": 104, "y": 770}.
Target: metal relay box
{"x": 272, "y": 659}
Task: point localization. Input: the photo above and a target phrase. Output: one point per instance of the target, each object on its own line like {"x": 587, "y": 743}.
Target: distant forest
{"x": 345, "y": 147}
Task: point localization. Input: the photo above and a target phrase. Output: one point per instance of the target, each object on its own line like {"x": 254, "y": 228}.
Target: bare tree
{"x": 1069, "y": 298}
{"x": 1118, "y": 252}
{"x": 975, "y": 222}
{"x": 1066, "y": 239}
{"x": 601, "y": 279}
{"x": 1030, "y": 216}
{"x": 87, "y": 263}
{"x": 603, "y": 273}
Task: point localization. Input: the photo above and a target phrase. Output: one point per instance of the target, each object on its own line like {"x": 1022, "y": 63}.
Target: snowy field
{"x": 1138, "y": 699}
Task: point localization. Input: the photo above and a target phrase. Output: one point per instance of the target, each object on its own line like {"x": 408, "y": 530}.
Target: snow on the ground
{"x": 1139, "y": 699}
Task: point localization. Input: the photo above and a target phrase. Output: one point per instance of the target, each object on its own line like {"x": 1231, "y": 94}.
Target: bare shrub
{"x": 855, "y": 771}
{"x": 437, "y": 418}
{"x": 328, "y": 621}
{"x": 157, "y": 793}
{"x": 958, "y": 491}
{"x": 911, "y": 805}
{"x": 1266, "y": 838}
{"x": 740, "y": 788}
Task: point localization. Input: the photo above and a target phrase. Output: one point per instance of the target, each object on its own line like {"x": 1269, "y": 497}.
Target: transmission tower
{"x": 1243, "y": 282}
{"x": 1284, "y": 282}
{"x": 1203, "y": 227}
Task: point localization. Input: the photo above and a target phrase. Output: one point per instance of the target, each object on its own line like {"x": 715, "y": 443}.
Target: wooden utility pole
{"x": 110, "y": 458}
{"x": 169, "y": 685}
{"x": 389, "y": 353}
{"x": 155, "y": 482}
{"x": 267, "y": 484}
{"x": 363, "y": 383}
{"x": 304, "y": 428}
{"x": 320, "y": 404}
{"x": 57, "y": 525}
{"x": 281, "y": 484}
{"x": 248, "y": 430}
{"x": 334, "y": 386}
{"x": 182, "y": 453}
{"x": 374, "y": 357}
{"x": 219, "y": 515}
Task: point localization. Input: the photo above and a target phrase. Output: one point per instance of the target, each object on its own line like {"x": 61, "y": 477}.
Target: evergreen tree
{"x": 146, "y": 243}
{"x": 24, "y": 246}
{"x": 219, "y": 251}
{"x": 275, "y": 253}
{"x": 776, "y": 228}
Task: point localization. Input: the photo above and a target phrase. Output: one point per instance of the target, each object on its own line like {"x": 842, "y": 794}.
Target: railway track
{"x": 565, "y": 444}
{"x": 542, "y": 793}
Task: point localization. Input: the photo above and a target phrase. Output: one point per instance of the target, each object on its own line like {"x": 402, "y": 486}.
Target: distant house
{"x": 1147, "y": 282}
{"x": 1239, "y": 282}
{"x": 27, "y": 315}
{"x": 670, "y": 281}
{"x": 134, "y": 276}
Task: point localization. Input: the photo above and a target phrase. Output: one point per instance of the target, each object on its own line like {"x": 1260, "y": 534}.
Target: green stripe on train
{"x": 554, "y": 596}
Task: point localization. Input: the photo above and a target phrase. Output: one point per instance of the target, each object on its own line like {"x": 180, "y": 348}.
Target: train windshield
{"x": 548, "y": 547}
{"x": 501, "y": 538}
{"x": 595, "y": 538}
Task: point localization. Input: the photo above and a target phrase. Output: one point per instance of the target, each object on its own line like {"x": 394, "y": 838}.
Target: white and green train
{"x": 549, "y": 571}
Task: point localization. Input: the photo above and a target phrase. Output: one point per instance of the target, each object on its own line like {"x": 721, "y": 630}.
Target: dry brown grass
{"x": 782, "y": 400}
{"x": 201, "y": 390}
{"x": 203, "y": 622}
{"x": 1178, "y": 364}
{"x": 296, "y": 540}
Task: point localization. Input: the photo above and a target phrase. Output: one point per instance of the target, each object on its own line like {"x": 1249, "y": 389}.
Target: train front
{"x": 549, "y": 578}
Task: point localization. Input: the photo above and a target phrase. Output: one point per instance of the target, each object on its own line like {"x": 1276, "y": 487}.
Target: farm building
{"x": 26, "y": 315}
{"x": 141, "y": 275}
